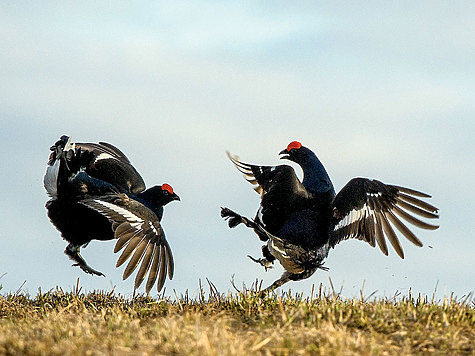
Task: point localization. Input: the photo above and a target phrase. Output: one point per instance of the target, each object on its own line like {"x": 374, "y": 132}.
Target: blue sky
{"x": 376, "y": 89}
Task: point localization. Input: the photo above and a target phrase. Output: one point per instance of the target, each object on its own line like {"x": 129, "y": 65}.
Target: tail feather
{"x": 50, "y": 180}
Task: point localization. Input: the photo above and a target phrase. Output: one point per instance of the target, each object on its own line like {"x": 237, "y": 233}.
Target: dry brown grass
{"x": 58, "y": 323}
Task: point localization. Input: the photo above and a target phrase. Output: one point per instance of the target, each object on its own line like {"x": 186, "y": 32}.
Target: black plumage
{"x": 96, "y": 194}
{"x": 301, "y": 220}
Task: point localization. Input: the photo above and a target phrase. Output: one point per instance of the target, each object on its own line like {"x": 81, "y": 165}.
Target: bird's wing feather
{"x": 265, "y": 178}
{"x": 99, "y": 160}
{"x": 105, "y": 149}
{"x": 368, "y": 210}
{"x": 140, "y": 235}
{"x": 110, "y": 164}
{"x": 281, "y": 191}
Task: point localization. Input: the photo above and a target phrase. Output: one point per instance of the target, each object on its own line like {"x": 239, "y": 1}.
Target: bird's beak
{"x": 175, "y": 197}
{"x": 286, "y": 153}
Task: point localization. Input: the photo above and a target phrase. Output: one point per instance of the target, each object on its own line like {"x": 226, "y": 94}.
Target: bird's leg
{"x": 72, "y": 251}
{"x": 267, "y": 255}
{"x": 268, "y": 259}
{"x": 286, "y": 276}
{"x": 234, "y": 219}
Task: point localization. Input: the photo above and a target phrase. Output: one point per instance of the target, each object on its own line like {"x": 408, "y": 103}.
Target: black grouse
{"x": 301, "y": 221}
{"x": 96, "y": 194}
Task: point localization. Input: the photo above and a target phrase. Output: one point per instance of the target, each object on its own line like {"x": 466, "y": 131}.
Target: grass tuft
{"x": 213, "y": 323}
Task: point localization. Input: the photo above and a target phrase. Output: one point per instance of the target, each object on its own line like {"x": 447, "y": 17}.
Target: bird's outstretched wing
{"x": 105, "y": 149}
{"x": 367, "y": 209}
{"x": 101, "y": 161}
{"x": 266, "y": 178}
{"x": 281, "y": 191}
{"x": 106, "y": 162}
{"x": 137, "y": 229}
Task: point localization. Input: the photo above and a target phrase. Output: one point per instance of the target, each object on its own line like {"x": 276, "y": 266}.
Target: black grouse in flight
{"x": 96, "y": 194}
{"x": 301, "y": 221}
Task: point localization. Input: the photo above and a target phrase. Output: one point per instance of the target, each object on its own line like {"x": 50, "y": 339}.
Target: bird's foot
{"x": 233, "y": 218}
{"x": 322, "y": 267}
{"x": 262, "y": 261}
{"x": 89, "y": 270}
{"x": 72, "y": 251}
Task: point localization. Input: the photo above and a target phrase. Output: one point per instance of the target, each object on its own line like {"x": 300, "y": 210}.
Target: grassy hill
{"x": 58, "y": 323}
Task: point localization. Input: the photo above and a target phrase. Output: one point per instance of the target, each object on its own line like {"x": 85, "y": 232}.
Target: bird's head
{"x": 294, "y": 152}
{"x": 159, "y": 195}
{"x": 156, "y": 197}
{"x": 167, "y": 193}
{"x": 316, "y": 178}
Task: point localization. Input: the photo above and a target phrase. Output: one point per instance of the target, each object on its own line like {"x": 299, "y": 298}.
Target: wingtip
{"x": 413, "y": 192}
{"x": 232, "y": 157}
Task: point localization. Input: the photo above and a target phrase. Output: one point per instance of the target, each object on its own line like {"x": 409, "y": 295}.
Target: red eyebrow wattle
{"x": 168, "y": 188}
{"x": 294, "y": 144}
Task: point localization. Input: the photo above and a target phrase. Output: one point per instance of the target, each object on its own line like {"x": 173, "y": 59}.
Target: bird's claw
{"x": 264, "y": 262}
{"x": 233, "y": 218}
{"x": 89, "y": 270}
{"x": 322, "y": 267}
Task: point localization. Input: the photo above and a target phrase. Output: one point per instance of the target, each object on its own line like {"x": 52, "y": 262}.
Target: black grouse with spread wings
{"x": 96, "y": 194}
{"x": 301, "y": 221}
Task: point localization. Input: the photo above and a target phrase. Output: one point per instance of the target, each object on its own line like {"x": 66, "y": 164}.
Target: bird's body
{"x": 301, "y": 220}
{"x": 96, "y": 194}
